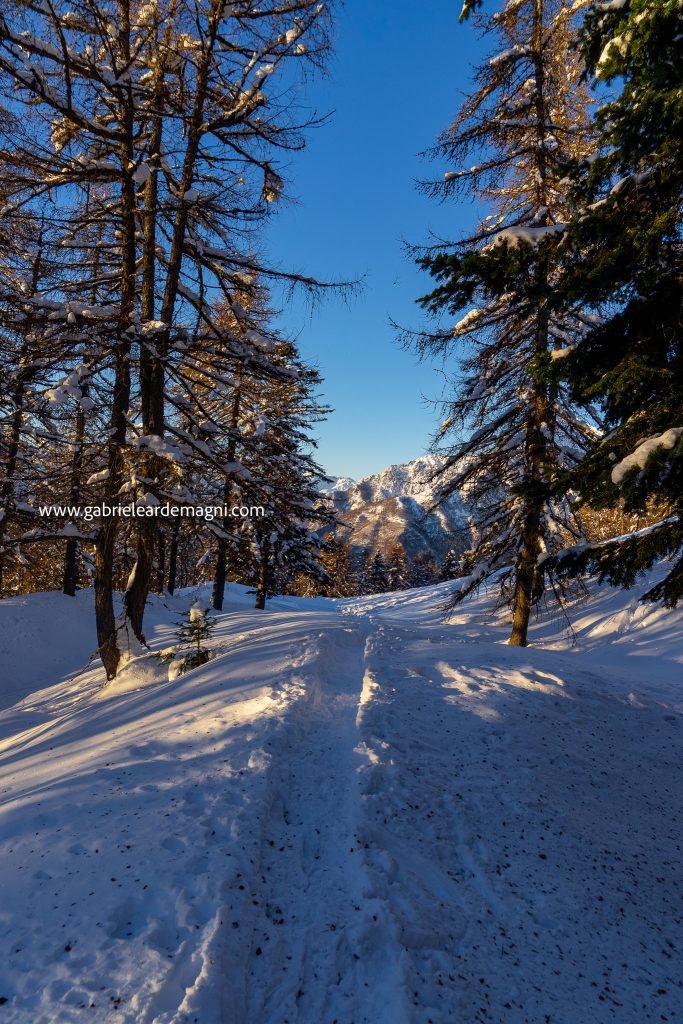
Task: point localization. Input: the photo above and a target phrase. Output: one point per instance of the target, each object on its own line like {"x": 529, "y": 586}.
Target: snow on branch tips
{"x": 532, "y": 236}
{"x": 639, "y": 457}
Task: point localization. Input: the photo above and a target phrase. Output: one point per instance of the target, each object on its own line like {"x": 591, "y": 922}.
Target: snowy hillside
{"x": 396, "y": 505}
{"x": 355, "y": 813}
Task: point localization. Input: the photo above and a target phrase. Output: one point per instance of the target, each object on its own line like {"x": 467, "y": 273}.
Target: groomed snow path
{"x": 355, "y": 814}
{"x": 324, "y": 947}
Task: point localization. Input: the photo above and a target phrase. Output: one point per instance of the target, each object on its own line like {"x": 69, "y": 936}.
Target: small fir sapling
{"x": 192, "y": 633}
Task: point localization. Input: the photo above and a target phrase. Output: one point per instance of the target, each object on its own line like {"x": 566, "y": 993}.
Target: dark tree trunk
{"x": 7, "y": 489}
{"x": 263, "y": 576}
{"x": 161, "y": 563}
{"x": 151, "y": 384}
{"x": 152, "y": 377}
{"x": 104, "y": 598}
{"x": 106, "y": 539}
{"x": 14, "y": 440}
{"x": 218, "y": 590}
{"x": 527, "y": 561}
{"x": 173, "y": 560}
{"x": 542, "y": 412}
{"x": 135, "y": 598}
{"x": 525, "y": 579}
{"x": 70, "y": 579}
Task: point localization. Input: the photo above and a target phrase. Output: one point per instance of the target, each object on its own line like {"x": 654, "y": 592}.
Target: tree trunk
{"x": 7, "y": 490}
{"x": 14, "y": 441}
{"x": 524, "y": 582}
{"x": 106, "y": 539}
{"x": 173, "y": 560}
{"x": 104, "y": 598}
{"x": 152, "y": 381}
{"x": 161, "y": 562}
{"x": 263, "y": 576}
{"x": 135, "y": 598}
{"x": 218, "y": 590}
{"x": 70, "y": 578}
{"x": 152, "y": 377}
{"x": 541, "y": 412}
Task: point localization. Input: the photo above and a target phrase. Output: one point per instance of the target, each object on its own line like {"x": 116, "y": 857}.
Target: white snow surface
{"x": 356, "y": 812}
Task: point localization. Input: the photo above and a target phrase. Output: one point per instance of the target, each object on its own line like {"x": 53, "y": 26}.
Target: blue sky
{"x": 393, "y": 85}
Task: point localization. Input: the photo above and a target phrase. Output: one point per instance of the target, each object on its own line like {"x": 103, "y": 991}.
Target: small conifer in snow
{"x": 192, "y": 633}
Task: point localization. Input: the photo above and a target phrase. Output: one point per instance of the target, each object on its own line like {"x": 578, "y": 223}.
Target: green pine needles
{"x": 568, "y": 390}
{"x": 623, "y": 250}
{"x": 193, "y": 632}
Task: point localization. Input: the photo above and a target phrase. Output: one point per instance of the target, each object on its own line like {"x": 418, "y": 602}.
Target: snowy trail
{"x": 354, "y": 814}
{"x": 524, "y": 824}
{"x": 324, "y": 948}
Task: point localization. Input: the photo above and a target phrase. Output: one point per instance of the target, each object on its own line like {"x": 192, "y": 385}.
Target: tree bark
{"x": 173, "y": 559}
{"x": 70, "y": 578}
{"x": 7, "y": 489}
{"x": 106, "y": 539}
{"x": 14, "y": 441}
{"x": 153, "y": 383}
{"x": 540, "y": 413}
{"x": 218, "y": 590}
{"x": 263, "y": 576}
{"x": 161, "y": 562}
{"x": 524, "y": 581}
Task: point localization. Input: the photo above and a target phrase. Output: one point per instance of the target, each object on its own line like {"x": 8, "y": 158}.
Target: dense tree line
{"x": 352, "y": 572}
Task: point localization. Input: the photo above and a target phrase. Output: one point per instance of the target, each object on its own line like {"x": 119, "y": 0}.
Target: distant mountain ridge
{"x": 395, "y": 506}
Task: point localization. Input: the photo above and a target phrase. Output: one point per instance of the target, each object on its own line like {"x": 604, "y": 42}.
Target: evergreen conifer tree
{"x": 376, "y": 574}
{"x": 397, "y": 568}
{"x": 337, "y": 561}
{"x": 193, "y": 632}
{"x": 424, "y": 570}
{"x": 448, "y": 570}
{"x": 624, "y": 250}
{"x": 526, "y": 120}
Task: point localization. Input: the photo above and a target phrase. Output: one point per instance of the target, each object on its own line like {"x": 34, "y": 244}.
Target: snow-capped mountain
{"x": 396, "y": 505}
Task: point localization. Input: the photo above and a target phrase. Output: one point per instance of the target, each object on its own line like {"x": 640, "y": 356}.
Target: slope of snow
{"x": 355, "y": 812}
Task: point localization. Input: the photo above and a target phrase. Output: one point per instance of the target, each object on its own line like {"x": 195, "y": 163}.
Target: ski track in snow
{"x": 354, "y": 814}
{"x": 324, "y": 947}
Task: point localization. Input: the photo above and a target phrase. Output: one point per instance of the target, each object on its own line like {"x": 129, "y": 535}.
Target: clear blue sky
{"x": 393, "y": 85}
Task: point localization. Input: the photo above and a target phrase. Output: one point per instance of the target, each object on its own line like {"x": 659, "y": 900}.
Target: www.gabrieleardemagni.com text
{"x": 140, "y": 510}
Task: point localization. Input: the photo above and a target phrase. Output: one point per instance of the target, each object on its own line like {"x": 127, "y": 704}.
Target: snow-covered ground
{"x": 354, "y": 813}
